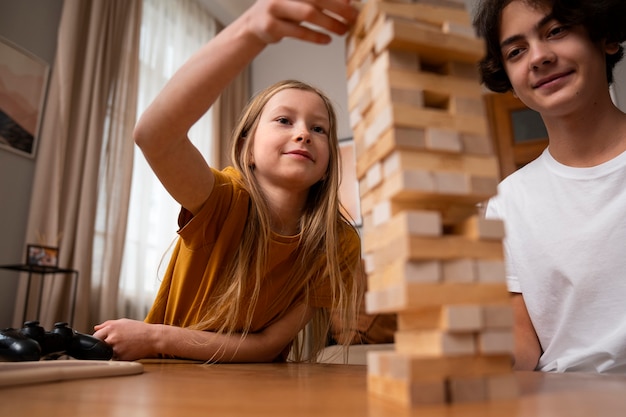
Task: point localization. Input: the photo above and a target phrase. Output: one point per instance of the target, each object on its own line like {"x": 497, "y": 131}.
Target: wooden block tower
{"x": 425, "y": 163}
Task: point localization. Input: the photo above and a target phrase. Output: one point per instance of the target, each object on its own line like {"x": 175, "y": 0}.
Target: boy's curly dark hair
{"x": 603, "y": 19}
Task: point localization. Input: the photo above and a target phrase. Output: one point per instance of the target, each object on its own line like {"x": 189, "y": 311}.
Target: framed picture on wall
{"x": 349, "y": 187}
{"x": 23, "y": 85}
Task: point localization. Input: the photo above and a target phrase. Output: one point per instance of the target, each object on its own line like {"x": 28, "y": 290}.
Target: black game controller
{"x": 32, "y": 343}
{"x": 15, "y": 347}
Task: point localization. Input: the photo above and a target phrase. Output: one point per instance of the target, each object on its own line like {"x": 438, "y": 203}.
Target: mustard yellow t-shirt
{"x": 206, "y": 243}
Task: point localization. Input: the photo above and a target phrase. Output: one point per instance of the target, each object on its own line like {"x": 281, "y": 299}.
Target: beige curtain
{"x": 86, "y": 135}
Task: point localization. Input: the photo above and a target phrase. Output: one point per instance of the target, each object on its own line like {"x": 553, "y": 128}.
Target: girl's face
{"x": 291, "y": 141}
{"x": 554, "y": 69}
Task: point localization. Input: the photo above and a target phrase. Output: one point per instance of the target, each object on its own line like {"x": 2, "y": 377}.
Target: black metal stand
{"x": 43, "y": 271}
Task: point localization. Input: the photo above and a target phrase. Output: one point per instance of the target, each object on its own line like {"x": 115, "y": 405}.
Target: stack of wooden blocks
{"x": 425, "y": 164}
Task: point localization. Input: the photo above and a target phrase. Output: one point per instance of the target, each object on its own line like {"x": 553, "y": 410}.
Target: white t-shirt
{"x": 565, "y": 251}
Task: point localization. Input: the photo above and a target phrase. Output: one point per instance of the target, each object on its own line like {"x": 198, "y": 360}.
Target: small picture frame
{"x": 38, "y": 255}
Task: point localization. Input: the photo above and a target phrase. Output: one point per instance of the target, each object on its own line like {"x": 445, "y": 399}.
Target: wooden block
{"x": 413, "y": 367}
{"x": 360, "y": 90}
{"x": 368, "y": 264}
{"x": 401, "y": 271}
{"x": 467, "y": 389}
{"x": 355, "y": 118}
{"x": 418, "y": 223}
{"x": 413, "y": 98}
{"x": 406, "y": 223}
{"x": 434, "y": 80}
{"x": 408, "y": 116}
{"x": 382, "y": 213}
{"x": 455, "y": 4}
{"x": 477, "y": 228}
{"x": 376, "y": 301}
{"x": 413, "y": 248}
{"x": 381, "y": 122}
{"x": 412, "y": 296}
{"x": 461, "y": 30}
{"x": 378, "y": 362}
{"x": 490, "y": 270}
{"x": 452, "y": 212}
{"x": 462, "y": 270}
{"x": 466, "y": 70}
{"x": 407, "y": 393}
{"x": 439, "y": 188}
{"x": 469, "y": 165}
{"x": 430, "y": 12}
{"x": 388, "y": 115}
{"x": 401, "y": 34}
{"x": 449, "y": 318}
{"x": 363, "y": 98}
{"x": 434, "y": 343}
{"x": 495, "y": 341}
{"x": 364, "y": 190}
{"x": 446, "y": 140}
{"x": 359, "y": 138}
{"x": 402, "y": 60}
{"x": 467, "y": 106}
{"x": 451, "y": 182}
{"x": 483, "y": 185}
{"x": 477, "y": 144}
{"x": 365, "y": 45}
{"x": 374, "y": 176}
{"x": 497, "y": 316}
{"x": 417, "y": 248}
{"x": 353, "y": 83}
{"x": 391, "y": 139}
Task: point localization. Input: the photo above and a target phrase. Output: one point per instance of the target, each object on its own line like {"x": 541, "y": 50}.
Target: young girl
{"x": 564, "y": 212}
{"x": 263, "y": 248}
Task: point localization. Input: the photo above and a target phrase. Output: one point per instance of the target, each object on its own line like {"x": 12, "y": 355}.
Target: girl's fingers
{"x": 308, "y": 20}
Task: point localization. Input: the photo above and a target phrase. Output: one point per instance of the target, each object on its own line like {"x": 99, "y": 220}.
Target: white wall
{"x": 31, "y": 24}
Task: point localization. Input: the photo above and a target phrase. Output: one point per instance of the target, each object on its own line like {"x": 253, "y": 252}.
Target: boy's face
{"x": 553, "y": 68}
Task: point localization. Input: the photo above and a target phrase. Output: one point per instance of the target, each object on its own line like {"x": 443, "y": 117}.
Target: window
{"x": 170, "y": 32}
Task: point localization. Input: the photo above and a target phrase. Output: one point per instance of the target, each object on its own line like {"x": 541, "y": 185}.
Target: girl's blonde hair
{"x": 321, "y": 225}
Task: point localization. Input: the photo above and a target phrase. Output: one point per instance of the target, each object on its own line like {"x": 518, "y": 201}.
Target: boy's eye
{"x": 556, "y": 31}
{"x": 512, "y": 53}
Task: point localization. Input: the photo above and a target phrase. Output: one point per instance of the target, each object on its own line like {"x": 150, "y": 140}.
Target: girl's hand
{"x": 130, "y": 339}
{"x": 272, "y": 20}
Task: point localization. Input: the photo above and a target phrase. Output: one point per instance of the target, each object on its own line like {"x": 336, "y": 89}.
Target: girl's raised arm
{"x": 161, "y": 132}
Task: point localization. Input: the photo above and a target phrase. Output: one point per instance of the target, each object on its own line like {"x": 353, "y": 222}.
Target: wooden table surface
{"x": 295, "y": 390}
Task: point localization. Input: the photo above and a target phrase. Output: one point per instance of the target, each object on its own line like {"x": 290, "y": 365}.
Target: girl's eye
{"x": 319, "y": 129}
{"x": 282, "y": 120}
